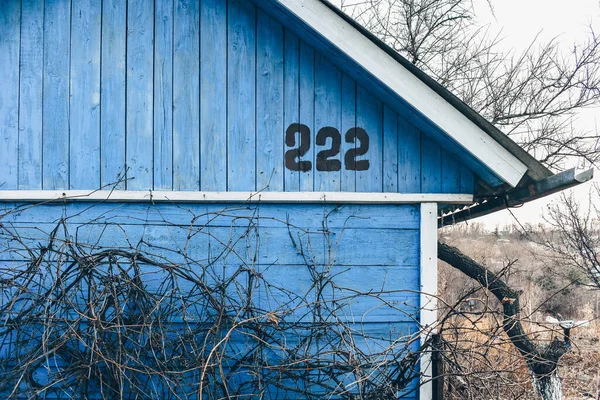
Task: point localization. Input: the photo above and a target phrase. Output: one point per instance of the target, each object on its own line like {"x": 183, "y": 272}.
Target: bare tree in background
{"x": 533, "y": 96}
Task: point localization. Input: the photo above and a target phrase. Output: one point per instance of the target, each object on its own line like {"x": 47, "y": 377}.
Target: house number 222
{"x": 325, "y": 158}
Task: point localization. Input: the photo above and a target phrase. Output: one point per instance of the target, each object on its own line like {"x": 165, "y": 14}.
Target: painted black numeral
{"x": 352, "y": 164}
{"x": 293, "y": 156}
{"x": 324, "y": 163}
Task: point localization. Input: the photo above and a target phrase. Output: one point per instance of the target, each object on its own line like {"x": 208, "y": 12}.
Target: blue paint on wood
{"x": 328, "y": 114}
{"x": 163, "y": 95}
{"x": 390, "y": 150}
{"x": 229, "y": 79}
{"x": 140, "y": 101}
{"x": 30, "y": 97}
{"x": 369, "y": 116}
{"x": 307, "y": 110}
{"x": 55, "y": 125}
{"x": 467, "y": 180}
{"x": 409, "y": 158}
{"x": 241, "y": 94}
{"x": 251, "y": 237}
{"x": 348, "y": 177}
{"x": 269, "y": 104}
{"x": 84, "y": 110}
{"x": 291, "y": 92}
{"x": 431, "y": 158}
{"x": 450, "y": 173}
{"x": 112, "y": 99}
{"x": 10, "y": 18}
{"x": 186, "y": 96}
{"x": 213, "y": 95}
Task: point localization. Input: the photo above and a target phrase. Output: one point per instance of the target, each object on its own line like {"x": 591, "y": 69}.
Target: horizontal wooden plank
{"x": 233, "y": 197}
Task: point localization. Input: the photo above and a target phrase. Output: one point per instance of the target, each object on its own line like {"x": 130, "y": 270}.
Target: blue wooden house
{"x": 266, "y": 171}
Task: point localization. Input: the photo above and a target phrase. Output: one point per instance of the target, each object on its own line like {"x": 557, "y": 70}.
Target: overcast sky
{"x": 519, "y": 21}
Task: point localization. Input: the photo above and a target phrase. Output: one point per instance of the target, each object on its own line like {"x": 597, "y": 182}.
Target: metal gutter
{"x": 519, "y": 196}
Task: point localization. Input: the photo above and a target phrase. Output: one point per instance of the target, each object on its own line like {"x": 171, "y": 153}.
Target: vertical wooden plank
{"x": 450, "y": 173}
{"x": 328, "y": 114}
{"x": 186, "y": 96}
{"x": 292, "y": 99}
{"x": 307, "y": 110}
{"x": 112, "y": 105}
{"x": 241, "y": 94}
{"x": 369, "y": 116}
{"x": 429, "y": 287}
{"x": 467, "y": 180}
{"x": 390, "y": 150}
{"x": 84, "y": 153}
{"x": 10, "y": 21}
{"x": 269, "y": 106}
{"x": 55, "y": 124}
{"x": 409, "y": 157}
{"x": 140, "y": 54}
{"x": 213, "y": 95}
{"x": 30, "y": 97}
{"x": 348, "y": 177}
{"x": 163, "y": 95}
{"x": 431, "y": 166}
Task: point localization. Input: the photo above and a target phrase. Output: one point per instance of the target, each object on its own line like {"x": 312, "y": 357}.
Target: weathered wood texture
{"x": 280, "y": 242}
{"x": 189, "y": 95}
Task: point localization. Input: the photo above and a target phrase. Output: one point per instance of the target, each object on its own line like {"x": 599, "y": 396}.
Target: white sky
{"x": 519, "y": 22}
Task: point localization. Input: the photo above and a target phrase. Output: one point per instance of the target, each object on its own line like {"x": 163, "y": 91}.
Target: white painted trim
{"x": 406, "y": 85}
{"x": 232, "y": 197}
{"x": 429, "y": 286}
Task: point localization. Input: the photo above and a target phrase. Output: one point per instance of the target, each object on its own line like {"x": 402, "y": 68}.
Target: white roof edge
{"x": 406, "y": 85}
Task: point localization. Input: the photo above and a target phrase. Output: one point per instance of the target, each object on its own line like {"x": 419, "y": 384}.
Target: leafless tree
{"x": 533, "y": 96}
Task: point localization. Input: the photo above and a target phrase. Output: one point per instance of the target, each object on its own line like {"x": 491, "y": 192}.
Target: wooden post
{"x": 437, "y": 368}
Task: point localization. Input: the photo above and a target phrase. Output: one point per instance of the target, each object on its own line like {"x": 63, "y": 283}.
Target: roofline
{"x": 535, "y": 170}
{"x": 319, "y": 18}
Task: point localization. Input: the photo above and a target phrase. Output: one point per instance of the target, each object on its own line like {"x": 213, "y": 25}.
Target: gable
{"x": 198, "y": 99}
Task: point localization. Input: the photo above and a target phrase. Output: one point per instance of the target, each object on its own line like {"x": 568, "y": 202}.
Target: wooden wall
{"x": 371, "y": 250}
{"x": 190, "y": 95}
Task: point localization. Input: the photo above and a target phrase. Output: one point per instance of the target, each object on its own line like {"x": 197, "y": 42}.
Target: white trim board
{"x": 429, "y": 287}
{"x": 231, "y": 197}
{"x": 407, "y": 86}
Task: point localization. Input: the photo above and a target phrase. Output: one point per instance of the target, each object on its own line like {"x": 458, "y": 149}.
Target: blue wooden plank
{"x": 84, "y": 114}
{"x": 186, "y": 96}
{"x": 369, "y": 116}
{"x": 307, "y": 110}
{"x": 197, "y": 216}
{"x": 241, "y": 94}
{"x": 467, "y": 180}
{"x": 55, "y": 125}
{"x": 409, "y": 157}
{"x": 328, "y": 114}
{"x": 431, "y": 166}
{"x": 140, "y": 70}
{"x": 291, "y": 98}
{"x": 30, "y": 97}
{"x": 390, "y": 150}
{"x": 112, "y": 105}
{"x": 269, "y": 107}
{"x": 213, "y": 95}
{"x": 10, "y": 21}
{"x": 163, "y": 95}
{"x": 348, "y": 177}
{"x": 450, "y": 173}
